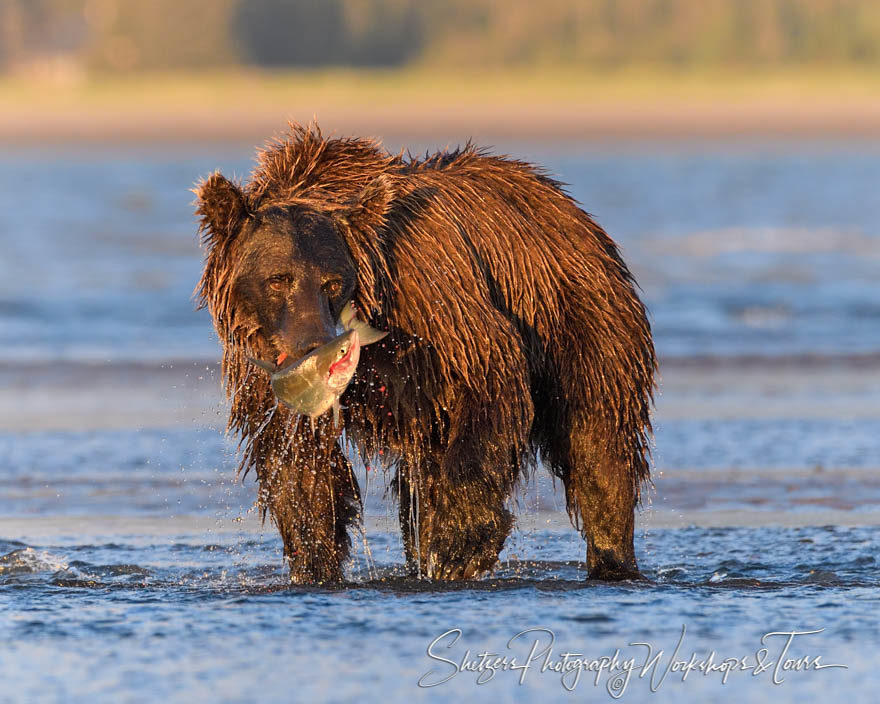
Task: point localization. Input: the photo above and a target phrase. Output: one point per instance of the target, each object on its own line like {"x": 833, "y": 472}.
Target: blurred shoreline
{"x": 411, "y": 104}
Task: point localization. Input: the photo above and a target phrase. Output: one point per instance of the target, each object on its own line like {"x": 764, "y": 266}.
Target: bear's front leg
{"x": 313, "y": 498}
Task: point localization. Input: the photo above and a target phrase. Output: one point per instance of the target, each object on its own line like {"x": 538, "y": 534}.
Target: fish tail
{"x": 349, "y": 320}
{"x": 368, "y": 335}
{"x": 347, "y": 315}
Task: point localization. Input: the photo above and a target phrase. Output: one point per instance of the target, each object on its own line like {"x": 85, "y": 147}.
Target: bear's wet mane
{"x": 303, "y": 164}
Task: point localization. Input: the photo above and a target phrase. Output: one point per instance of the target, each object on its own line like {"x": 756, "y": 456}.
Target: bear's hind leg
{"x": 601, "y": 498}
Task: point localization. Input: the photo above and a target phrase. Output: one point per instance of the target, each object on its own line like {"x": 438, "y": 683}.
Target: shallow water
{"x": 168, "y": 616}
{"x": 133, "y": 566}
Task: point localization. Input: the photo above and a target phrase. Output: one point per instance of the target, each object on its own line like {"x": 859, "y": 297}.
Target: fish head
{"x": 345, "y": 360}
{"x": 313, "y": 384}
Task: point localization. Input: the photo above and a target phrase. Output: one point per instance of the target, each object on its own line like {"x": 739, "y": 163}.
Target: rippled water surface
{"x": 134, "y": 568}
{"x": 174, "y": 614}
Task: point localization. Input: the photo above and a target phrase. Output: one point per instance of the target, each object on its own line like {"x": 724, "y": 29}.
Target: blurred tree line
{"x": 123, "y": 35}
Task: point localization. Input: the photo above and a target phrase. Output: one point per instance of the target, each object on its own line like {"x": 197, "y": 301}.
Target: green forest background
{"x": 95, "y": 36}
{"x": 438, "y": 69}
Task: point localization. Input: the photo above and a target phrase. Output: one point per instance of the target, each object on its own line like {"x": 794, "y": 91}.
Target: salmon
{"x": 313, "y": 385}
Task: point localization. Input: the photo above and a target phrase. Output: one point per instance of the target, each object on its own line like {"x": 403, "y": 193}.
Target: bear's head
{"x": 278, "y": 273}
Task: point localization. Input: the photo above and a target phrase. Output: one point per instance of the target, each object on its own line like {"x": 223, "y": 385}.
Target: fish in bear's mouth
{"x": 312, "y": 385}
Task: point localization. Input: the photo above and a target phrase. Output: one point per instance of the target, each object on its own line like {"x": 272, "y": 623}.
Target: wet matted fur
{"x": 515, "y": 329}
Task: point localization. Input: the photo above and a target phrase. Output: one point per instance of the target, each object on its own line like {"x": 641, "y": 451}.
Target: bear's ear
{"x": 370, "y": 208}
{"x": 220, "y": 205}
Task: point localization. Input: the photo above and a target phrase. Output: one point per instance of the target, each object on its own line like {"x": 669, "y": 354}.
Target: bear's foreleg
{"x": 451, "y": 530}
{"x": 404, "y": 486}
{"x": 313, "y": 498}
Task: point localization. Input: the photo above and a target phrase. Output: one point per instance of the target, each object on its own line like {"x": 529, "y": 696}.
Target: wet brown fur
{"x": 515, "y": 329}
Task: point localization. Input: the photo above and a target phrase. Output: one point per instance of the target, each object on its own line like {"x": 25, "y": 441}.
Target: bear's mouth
{"x": 283, "y": 361}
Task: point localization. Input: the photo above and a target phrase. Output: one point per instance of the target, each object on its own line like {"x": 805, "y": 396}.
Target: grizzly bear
{"x": 515, "y": 333}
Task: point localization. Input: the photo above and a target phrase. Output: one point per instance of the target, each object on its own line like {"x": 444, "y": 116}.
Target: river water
{"x": 133, "y": 566}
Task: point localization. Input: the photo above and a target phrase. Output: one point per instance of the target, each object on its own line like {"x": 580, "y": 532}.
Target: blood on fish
{"x": 346, "y": 358}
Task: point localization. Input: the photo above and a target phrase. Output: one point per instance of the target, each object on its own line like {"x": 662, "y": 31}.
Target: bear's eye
{"x": 279, "y": 282}
{"x": 333, "y": 288}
